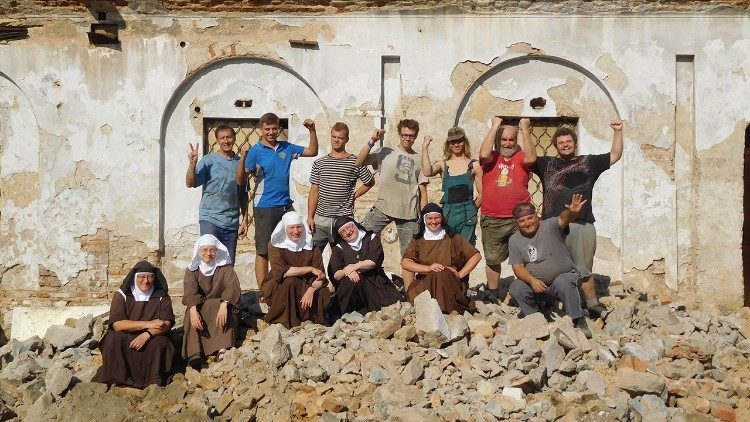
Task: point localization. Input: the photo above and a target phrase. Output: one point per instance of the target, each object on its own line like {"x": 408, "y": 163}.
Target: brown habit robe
{"x": 153, "y": 363}
{"x": 444, "y": 286}
{"x": 283, "y": 294}
{"x": 207, "y": 293}
{"x": 374, "y": 290}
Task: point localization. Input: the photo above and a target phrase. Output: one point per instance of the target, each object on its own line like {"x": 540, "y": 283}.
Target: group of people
{"x": 551, "y": 256}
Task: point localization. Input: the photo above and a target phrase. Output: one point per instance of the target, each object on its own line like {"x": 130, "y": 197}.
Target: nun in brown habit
{"x": 212, "y": 296}
{"x": 296, "y": 287}
{"x": 356, "y": 269}
{"x": 442, "y": 261}
{"x": 137, "y": 350}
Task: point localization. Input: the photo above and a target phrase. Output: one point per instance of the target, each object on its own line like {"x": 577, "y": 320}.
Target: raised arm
{"x": 616, "y": 152}
{"x": 429, "y": 169}
{"x": 529, "y": 151}
{"x": 192, "y": 161}
{"x": 312, "y": 147}
{"x": 571, "y": 211}
{"x": 488, "y": 144}
{"x": 364, "y": 157}
{"x": 422, "y": 189}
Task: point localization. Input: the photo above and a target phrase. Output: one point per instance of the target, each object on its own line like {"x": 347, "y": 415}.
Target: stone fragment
{"x": 481, "y": 327}
{"x": 553, "y": 353}
{"x": 36, "y": 410}
{"x": 275, "y": 351}
{"x": 378, "y": 375}
{"x": 568, "y": 336}
{"x": 514, "y": 393}
{"x": 496, "y": 410}
{"x": 23, "y": 368}
{"x": 643, "y": 353}
{"x": 413, "y": 372}
{"x": 344, "y": 356}
{"x": 405, "y": 333}
{"x": 723, "y": 411}
{"x": 330, "y": 404}
{"x": 637, "y": 383}
{"x": 632, "y": 362}
{"x": 593, "y": 381}
{"x": 353, "y": 318}
{"x": 61, "y": 336}
{"x": 431, "y": 326}
{"x": 400, "y": 357}
{"x": 486, "y": 388}
{"x": 457, "y": 326}
{"x": 532, "y": 326}
{"x": 57, "y": 380}
{"x": 388, "y": 328}
{"x": 650, "y": 408}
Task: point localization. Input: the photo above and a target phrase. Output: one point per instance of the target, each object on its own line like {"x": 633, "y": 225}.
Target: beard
{"x": 507, "y": 152}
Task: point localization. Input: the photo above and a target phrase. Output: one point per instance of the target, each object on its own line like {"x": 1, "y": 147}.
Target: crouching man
{"x": 542, "y": 263}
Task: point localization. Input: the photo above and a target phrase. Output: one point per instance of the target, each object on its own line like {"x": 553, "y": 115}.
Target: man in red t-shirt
{"x": 505, "y": 183}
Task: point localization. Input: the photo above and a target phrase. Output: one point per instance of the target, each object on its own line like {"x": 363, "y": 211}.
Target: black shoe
{"x": 581, "y": 324}
{"x": 597, "y": 311}
{"x": 195, "y": 362}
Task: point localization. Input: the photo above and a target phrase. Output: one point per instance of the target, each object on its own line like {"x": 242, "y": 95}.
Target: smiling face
{"x": 349, "y": 232}
{"x": 207, "y": 252}
{"x": 294, "y": 232}
{"x": 457, "y": 147}
{"x": 225, "y": 139}
{"x": 407, "y": 137}
{"x": 566, "y": 146}
{"x": 433, "y": 221}
{"x": 528, "y": 224}
{"x": 144, "y": 281}
{"x": 269, "y": 132}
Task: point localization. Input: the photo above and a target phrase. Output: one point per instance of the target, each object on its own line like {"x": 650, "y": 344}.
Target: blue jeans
{"x": 226, "y": 236}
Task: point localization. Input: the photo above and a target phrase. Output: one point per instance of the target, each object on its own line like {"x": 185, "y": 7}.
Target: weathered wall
{"x": 93, "y": 140}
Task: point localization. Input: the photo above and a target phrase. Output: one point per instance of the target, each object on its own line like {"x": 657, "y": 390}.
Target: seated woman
{"x": 356, "y": 269}
{"x": 296, "y": 287}
{"x": 442, "y": 261}
{"x": 137, "y": 350}
{"x": 212, "y": 297}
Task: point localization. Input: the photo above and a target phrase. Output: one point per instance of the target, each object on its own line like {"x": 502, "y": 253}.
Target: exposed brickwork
{"x": 16, "y": 7}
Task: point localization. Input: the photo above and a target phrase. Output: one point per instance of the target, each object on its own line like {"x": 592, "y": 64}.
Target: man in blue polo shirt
{"x": 223, "y": 208}
{"x": 269, "y": 161}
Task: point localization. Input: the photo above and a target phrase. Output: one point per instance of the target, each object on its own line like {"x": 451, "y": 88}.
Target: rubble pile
{"x": 648, "y": 361}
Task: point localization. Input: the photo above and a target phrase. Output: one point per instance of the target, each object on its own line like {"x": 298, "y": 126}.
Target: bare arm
{"x": 192, "y": 161}
{"x": 422, "y": 196}
{"x": 523, "y": 274}
{"x": 616, "y": 152}
{"x": 470, "y": 265}
{"x": 312, "y": 147}
{"x": 409, "y": 265}
{"x": 478, "y": 172}
{"x": 365, "y": 265}
{"x": 364, "y": 158}
{"x": 428, "y": 169}
{"x": 571, "y": 211}
{"x": 364, "y": 189}
{"x": 240, "y": 176}
{"x": 312, "y": 205}
{"x": 298, "y": 271}
{"x": 488, "y": 144}
{"x": 529, "y": 151}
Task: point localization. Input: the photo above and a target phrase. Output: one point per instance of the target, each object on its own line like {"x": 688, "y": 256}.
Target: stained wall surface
{"x": 94, "y": 139}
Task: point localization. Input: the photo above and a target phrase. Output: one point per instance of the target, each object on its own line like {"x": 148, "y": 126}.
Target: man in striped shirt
{"x": 332, "y": 182}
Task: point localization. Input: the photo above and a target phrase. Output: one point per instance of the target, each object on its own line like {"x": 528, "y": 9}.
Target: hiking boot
{"x": 581, "y": 324}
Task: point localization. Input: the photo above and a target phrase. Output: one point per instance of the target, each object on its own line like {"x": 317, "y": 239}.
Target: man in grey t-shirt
{"x": 542, "y": 263}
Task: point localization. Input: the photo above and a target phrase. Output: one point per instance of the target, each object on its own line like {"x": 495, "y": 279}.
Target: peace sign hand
{"x": 193, "y": 154}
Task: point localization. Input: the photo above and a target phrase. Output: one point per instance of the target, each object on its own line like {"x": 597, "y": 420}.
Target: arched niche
{"x": 19, "y": 187}
{"x": 211, "y": 92}
{"x": 568, "y": 89}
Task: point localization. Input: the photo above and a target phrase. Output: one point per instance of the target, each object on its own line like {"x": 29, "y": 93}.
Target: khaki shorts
{"x": 376, "y": 221}
{"x": 495, "y": 235}
{"x": 582, "y": 245}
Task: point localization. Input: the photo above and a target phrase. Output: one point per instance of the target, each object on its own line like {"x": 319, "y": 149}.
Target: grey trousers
{"x": 563, "y": 288}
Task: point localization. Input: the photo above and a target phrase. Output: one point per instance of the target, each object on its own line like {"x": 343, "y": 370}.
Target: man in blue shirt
{"x": 223, "y": 208}
{"x": 269, "y": 161}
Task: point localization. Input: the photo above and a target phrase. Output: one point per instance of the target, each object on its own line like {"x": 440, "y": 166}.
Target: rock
{"x": 553, "y": 353}
{"x": 532, "y": 326}
{"x": 457, "y": 326}
{"x": 388, "y": 328}
{"x": 332, "y": 417}
{"x": 58, "y": 380}
{"x": 593, "y": 381}
{"x": 23, "y": 368}
{"x": 650, "y": 407}
{"x": 413, "y": 372}
{"x": 637, "y": 383}
{"x": 400, "y": 357}
{"x": 344, "y": 356}
{"x": 481, "y": 327}
{"x": 682, "y": 368}
{"x": 632, "y": 362}
{"x": 643, "y": 353}
{"x": 486, "y": 388}
{"x": 431, "y": 326}
{"x": 496, "y": 410}
{"x": 332, "y": 405}
{"x": 378, "y": 375}
{"x": 315, "y": 373}
{"x": 61, "y": 336}
{"x": 405, "y": 333}
{"x": 514, "y": 393}
{"x": 723, "y": 411}
{"x": 353, "y": 318}
{"x": 36, "y": 410}
{"x": 275, "y": 351}
{"x": 568, "y": 336}
{"x": 291, "y": 373}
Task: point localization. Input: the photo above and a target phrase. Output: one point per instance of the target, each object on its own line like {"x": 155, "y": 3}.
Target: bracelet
{"x": 149, "y": 334}
{"x": 372, "y": 142}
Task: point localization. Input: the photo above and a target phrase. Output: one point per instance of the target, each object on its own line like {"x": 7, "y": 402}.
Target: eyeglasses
{"x": 408, "y": 135}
